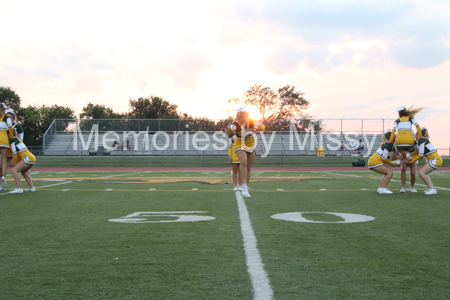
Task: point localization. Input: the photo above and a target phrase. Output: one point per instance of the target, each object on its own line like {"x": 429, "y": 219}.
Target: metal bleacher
{"x": 167, "y": 137}
{"x": 206, "y": 144}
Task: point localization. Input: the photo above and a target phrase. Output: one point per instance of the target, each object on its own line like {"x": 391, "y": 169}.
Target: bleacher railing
{"x": 280, "y": 126}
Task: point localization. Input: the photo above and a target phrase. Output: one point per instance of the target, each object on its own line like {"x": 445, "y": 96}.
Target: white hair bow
{"x": 241, "y": 109}
{"x": 401, "y": 108}
{"x": 4, "y": 105}
{"x": 388, "y": 130}
{"x": 9, "y": 111}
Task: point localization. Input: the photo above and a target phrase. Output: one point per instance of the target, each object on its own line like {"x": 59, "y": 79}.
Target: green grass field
{"x": 64, "y": 241}
{"x": 197, "y": 161}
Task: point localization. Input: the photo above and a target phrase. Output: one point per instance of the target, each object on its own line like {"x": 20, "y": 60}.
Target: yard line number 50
{"x": 193, "y": 216}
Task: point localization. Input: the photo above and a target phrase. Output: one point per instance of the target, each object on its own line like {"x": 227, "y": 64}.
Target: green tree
{"x": 152, "y": 108}
{"x": 285, "y": 103}
{"x": 30, "y": 119}
{"x": 97, "y": 111}
{"x": 10, "y": 98}
{"x": 36, "y": 120}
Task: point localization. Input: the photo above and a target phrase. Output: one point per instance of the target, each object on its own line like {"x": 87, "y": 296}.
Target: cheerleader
{"x": 245, "y": 145}
{"x": 15, "y": 126}
{"x": 403, "y": 127}
{"x": 427, "y": 150}
{"x": 234, "y": 160}
{"x": 6, "y": 134}
{"x": 377, "y": 162}
{"x": 405, "y": 163}
{"x": 23, "y": 161}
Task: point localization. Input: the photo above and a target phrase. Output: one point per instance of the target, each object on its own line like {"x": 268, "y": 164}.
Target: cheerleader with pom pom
{"x": 244, "y": 144}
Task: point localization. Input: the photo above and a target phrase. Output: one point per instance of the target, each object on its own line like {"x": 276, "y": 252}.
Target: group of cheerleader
{"x": 241, "y": 149}
{"x": 13, "y": 148}
{"x": 407, "y": 149}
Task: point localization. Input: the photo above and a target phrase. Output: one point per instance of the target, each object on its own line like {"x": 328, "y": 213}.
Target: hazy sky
{"x": 352, "y": 59}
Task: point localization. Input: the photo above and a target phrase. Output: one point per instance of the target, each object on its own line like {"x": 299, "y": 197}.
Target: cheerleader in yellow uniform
{"x": 234, "y": 160}
{"x": 15, "y": 126}
{"x": 426, "y": 149}
{"x": 5, "y": 134}
{"x": 245, "y": 145}
{"x": 377, "y": 162}
{"x": 403, "y": 127}
{"x": 23, "y": 161}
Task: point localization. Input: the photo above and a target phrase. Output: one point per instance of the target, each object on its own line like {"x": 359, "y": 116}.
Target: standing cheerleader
{"x": 403, "y": 127}
{"x": 23, "y": 161}
{"x": 245, "y": 145}
{"x": 426, "y": 149}
{"x": 6, "y": 134}
{"x": 378, "y": 159}
{"x": 234, "y": 160}
{"x": 405, "y": 163}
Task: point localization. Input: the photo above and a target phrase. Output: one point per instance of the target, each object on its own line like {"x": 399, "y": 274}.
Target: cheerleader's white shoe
{"x": 30, "y": 190}
{"x": 3, "y": 182}
{"x": 431, "y": 192}
{"x": 413, "y": 190}
{"x": 384, "y": 191}
{"x": 245, "y": 192}
{"x": 403, "y": 190}
{"x": 16, "y": 191}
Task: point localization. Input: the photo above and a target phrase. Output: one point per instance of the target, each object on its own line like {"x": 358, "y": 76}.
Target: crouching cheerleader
{"x": 427, "y": 150}
{"x": 23, "y": 161}
{"x": 378, "y": 159}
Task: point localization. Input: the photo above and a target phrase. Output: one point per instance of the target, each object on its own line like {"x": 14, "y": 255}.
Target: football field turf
{"x": 187, "y": 235}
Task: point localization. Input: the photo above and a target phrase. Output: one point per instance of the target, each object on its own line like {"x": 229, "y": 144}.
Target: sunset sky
{"x": 352, "y": 59}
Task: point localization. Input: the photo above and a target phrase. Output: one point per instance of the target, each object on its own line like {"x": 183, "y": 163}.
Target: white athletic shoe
{"x": 240, "y": 188}
{"x": 2, "y": 189}
{"x": 384, "y": 191}
{"x": 30, "y": 190}
{"x": 236, "y": 188}
{"x": 403, "y": 190}
{"x": 245, "y": 192}
{"x": 413, "y": 190}
{"x": 431, "y": 192}
{"x": 3, "y": 181}
{"x": 16, "y": 191}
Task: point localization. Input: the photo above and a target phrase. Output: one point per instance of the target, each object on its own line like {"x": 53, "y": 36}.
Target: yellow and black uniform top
{"x": 21, "y": 152}
{"x": 245, "y": 130}
{"x": 5, "y": 126}
{"x": 425, "y": 148}
{"x": 403, "y": 126}
{"x": 382, "y": 155}
{"x": 19, "y": 130}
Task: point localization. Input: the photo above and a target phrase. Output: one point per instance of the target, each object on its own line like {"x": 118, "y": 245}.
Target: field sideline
{"x": 146, "y": 233}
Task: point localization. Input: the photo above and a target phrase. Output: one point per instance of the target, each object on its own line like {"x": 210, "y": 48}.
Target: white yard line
{"x": 419, "y": 184}
{"x": 40, "y": 187}
{"x": 134, "y": 173}
{"x": 261, "y": 285}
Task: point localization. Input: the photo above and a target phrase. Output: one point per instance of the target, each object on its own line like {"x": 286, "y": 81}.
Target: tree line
{"x": 283, "y": 103}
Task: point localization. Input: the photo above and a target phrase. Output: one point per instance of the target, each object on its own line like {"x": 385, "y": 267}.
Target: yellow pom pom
{"x": 262, "y": 127}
